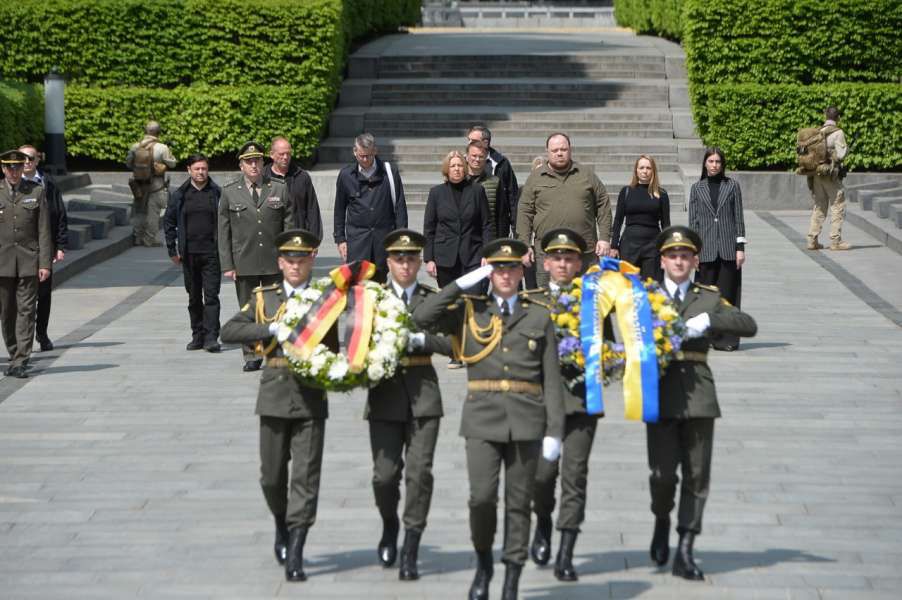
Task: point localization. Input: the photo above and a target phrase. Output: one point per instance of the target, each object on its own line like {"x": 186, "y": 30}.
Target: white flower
{"x": 338, "y": 369}
{"x": 283, "y": 332}
{"x": 318, "y": 361}
{"x": 375, "y": 371}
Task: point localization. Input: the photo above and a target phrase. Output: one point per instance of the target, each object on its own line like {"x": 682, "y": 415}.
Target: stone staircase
{"x": 879, "y": 209}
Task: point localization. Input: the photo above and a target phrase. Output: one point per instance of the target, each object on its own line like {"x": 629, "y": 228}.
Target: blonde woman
{"x": 645, "y": 207}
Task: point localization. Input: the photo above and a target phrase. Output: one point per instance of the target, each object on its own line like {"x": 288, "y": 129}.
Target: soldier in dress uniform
{"x": 292, "y": 415}
{"x": 684, "y": 435}
{"x": 404, "y": 414}
{"x": 26, "y": 245}
{"x": 514, "y": 412}
{"x": 563, "y": 250}
{"x": 253, "y": 210}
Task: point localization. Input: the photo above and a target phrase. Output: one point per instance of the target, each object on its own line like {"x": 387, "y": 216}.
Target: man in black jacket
{"x": 369, "y": 204}
{"x": 190, "y": 229}
{"x": 59, "y": 233}
{"x": 299, "y": 185}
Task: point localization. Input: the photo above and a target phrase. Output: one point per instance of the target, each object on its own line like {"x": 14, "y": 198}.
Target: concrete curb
{"x": 94, "y": 253}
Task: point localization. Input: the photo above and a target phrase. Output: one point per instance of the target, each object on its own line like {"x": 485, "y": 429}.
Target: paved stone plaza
{"x": 128, "y": 466}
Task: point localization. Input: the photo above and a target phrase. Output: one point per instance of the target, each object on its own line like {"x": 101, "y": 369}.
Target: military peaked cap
{"x": 296, "y": 243}
{"x": 250, "y": 150}
{"x": 13, "y": 157}
{"x": 563, "y": 240}
{"x": 504, "y": 251}
{"x": 679, "y": 236}
{"x": 404, "y": 241}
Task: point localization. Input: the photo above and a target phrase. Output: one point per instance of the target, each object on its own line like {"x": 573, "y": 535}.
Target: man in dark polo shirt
{"x": 190, "y": 229}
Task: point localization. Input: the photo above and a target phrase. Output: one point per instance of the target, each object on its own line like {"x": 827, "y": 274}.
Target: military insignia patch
{"x": 274, "y": 202}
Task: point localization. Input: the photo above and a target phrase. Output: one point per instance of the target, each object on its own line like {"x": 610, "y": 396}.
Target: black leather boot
{"x": 479, "y": 590}
{"x": 511, "y": 581}
{"x": 280, "y": 546}
{"x": 294, "y": 563}
{"x": 408, "y": 570}
{"x": 563, "y": 565}
{"x": 540, "y": 551}
{"x": 660, "y": 541}
{"x": 388, "y": 544}
{"x": 683, "y": 563}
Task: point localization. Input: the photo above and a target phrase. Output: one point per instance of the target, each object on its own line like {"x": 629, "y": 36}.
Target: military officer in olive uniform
{"x": 563, "y": 250}
{"x": 684, "y": 435}
{"x": 514, "y": 412}
{"x": 253, "y": 210}
{"x": 404, "y": 414}
{"x": 292, "y": 416}
{"x": 25, "y": 258}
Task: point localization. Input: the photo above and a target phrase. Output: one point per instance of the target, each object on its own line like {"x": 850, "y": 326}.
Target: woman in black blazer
{"x": 456, "y": 223}
{"x": 715, "y": 212}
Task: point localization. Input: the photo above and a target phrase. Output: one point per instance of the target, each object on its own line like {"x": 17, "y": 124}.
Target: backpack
{"x": 811, "y": 149}
{"x": 142, "y": 166}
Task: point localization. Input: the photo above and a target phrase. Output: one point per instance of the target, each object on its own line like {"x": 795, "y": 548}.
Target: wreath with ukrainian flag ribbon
{"x": 377, "y": 326}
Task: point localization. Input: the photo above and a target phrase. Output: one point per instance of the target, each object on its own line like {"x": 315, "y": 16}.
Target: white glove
{"x": 415, "y": 341}
{"x": 551, "y": 448}
{"x": 273, "y": 328}
{"x": 473, "y": 277}
{"x": 698, "y": 325}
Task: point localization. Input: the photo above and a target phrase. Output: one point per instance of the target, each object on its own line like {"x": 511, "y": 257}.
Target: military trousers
{"x": 573, "y": 465}
{"x": 18, "y": 298}
{"x": 146, "y": 216}
{"x": 827, "y": 194}
{"x": 244, "y": 287}
{"x": 484, "y": 460}
{"x": 293, "y": 495}
{"x": 393, "y": 444}
{"x": 684, "y": 443}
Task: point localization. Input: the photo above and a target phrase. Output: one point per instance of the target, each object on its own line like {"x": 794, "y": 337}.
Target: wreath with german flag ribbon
{"x": 377, "y": 326}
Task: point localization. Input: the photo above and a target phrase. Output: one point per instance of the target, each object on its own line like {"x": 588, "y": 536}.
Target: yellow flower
{"x": 658, "y": 334}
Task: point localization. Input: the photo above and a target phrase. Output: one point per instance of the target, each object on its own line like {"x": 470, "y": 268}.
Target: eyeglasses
{"x": 29, "y": 158}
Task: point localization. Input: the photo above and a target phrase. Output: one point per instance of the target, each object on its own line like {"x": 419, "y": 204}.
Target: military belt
{"x": 701, "y": 357}
{"x": 504, "y": 385}
{"x": 277, "y": 361}
{"x": 416, "y": 361}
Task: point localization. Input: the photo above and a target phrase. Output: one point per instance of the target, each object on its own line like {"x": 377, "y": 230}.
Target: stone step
{"x": 853, "y": 191}
{"x": 424, "y": 129}
{"x": 106, "y": 195}
{"x": 79, "y": 235}
{"x": 120, "y": 211}
{"x": 867, "y": 197}
{"x": 895, "y": 214}
{"x": 101, "y": 221}
{"x": 883, "y": 204}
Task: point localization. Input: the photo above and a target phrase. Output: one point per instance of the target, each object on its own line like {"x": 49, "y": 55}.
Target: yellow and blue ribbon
{"x": 590, "y": 336}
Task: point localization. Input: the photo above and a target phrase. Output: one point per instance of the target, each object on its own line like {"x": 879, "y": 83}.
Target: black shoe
{"x": 511, "y": 581}
{"x": 540, "y": 551}
{"x": 252, "y": 365}
{"x": 660, "y": 541}
{"x": 479, "y": 589}
{"x": 280, "y": 546}
{"x": 213, "y": 347}
{"x": 388, "y": 544}
{"x": 455, "y": 364}
{"x": 683, "y": 563}
{"x": 18, "y": 371}
{"x": 195, "y": 344}
{"x": 294, "y": 562}
{"x": 408, "y": 570}
{"x": 45, "y": 343}
{"x": 9, "y": 371}
{"x": 563, "y": 564}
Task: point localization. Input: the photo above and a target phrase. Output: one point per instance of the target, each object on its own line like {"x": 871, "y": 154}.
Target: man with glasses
{"x": 59, "y": 235}
{"x": 369, "y": 204}
{"x": 25, "y": 245}
{"x": 499, "y": 212}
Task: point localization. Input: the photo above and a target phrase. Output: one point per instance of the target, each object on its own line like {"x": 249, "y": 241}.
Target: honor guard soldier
{"x": 253, "y": 210}
{"x": 514, "y": 412}
{"x": 684, "y": 435}
{"x": 25, "y": 258}
{"x": 404, "y": 413}
{"x": 292, "y": 415}
{"x": 563, "y": 250}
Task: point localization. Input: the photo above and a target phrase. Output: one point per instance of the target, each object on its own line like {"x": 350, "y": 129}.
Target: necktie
{"x": 254, "y": 193}
{"x": 505, "y": 311}
{"x": 405, "y": 298}
{"x": 677, "y": 297}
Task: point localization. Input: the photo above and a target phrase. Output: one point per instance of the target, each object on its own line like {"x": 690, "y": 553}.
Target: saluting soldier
{"x": 25, "y": 258}
{"x": 404, "y": 413}
{"x": 253, "y": 210}
{"x": 684, "y": 435}
{"x": 292, "y": 415}
{"x": 514, "y": 411}
{"x": 563, "y": 250}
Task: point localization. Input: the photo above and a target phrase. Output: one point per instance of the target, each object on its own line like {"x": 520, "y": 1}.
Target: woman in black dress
{"x": 645, "y": 207}
{"x": 715, "y": 212}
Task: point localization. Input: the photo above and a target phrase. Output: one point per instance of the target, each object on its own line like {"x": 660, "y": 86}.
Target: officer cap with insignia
{"x": 404, "y": 242}
{"x": 12, "y": 157}
{"x": 679, "y": 236}
{"x": 563, "y": 240}
{"x": 250, "y": 150}
{"x": 504, "y": 252}
{"x": 296, "y": 243}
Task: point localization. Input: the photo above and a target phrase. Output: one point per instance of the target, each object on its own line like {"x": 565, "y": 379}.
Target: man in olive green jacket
{"x": 684, "y": 434}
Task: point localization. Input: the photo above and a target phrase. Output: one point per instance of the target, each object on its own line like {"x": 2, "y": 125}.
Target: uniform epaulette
{"x": 474, "y": 297}
{"x": 428, "y": 287}
{"x": 232, "y": 182}
{"x": 266, "y": 288}
{"x": 710, "y": 288}
{"x": 538, "y": 290}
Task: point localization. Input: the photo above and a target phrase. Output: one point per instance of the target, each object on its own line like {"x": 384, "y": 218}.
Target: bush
{"x": 21, "y": 115}
{"x": 756, "y": 124}
{"x": 656, "y": 17}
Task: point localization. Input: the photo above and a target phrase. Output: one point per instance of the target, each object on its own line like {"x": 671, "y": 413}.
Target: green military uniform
{"x": 292, "y": 415}
{"x": 684, "y": 434}
{"x": 513, "y": 401}
{"x": 249, "y": 221}
{"x": 25, "y": 247}
{"x": 404, "y": 413}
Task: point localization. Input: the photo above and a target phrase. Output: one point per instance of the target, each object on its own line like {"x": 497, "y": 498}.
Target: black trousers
{"x": 43, "y": 312}
{"x": 728, "y": 279}
{"x": 202, "y": 282}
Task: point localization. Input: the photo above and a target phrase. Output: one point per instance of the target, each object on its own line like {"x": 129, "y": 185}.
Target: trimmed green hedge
{"x": 21, "y": 114}
{"x": 756, "y": 124}
{"x": 655, "y": 17}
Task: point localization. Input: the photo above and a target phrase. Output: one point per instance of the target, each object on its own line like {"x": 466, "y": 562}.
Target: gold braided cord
{"x": 260, "y": 317}
{"x": 488, "y": 336}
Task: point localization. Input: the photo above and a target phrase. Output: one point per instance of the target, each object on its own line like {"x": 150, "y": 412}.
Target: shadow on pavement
{"x": 711, "y": 562}
{"x": 760, "y": 345}
{"x": 86, "y": 345}
{"x": 73, "y": 369}
{"x": 578, "y": 591}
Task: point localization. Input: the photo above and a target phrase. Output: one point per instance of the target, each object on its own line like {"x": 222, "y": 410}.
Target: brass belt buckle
{"x": 505, "y": 385}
